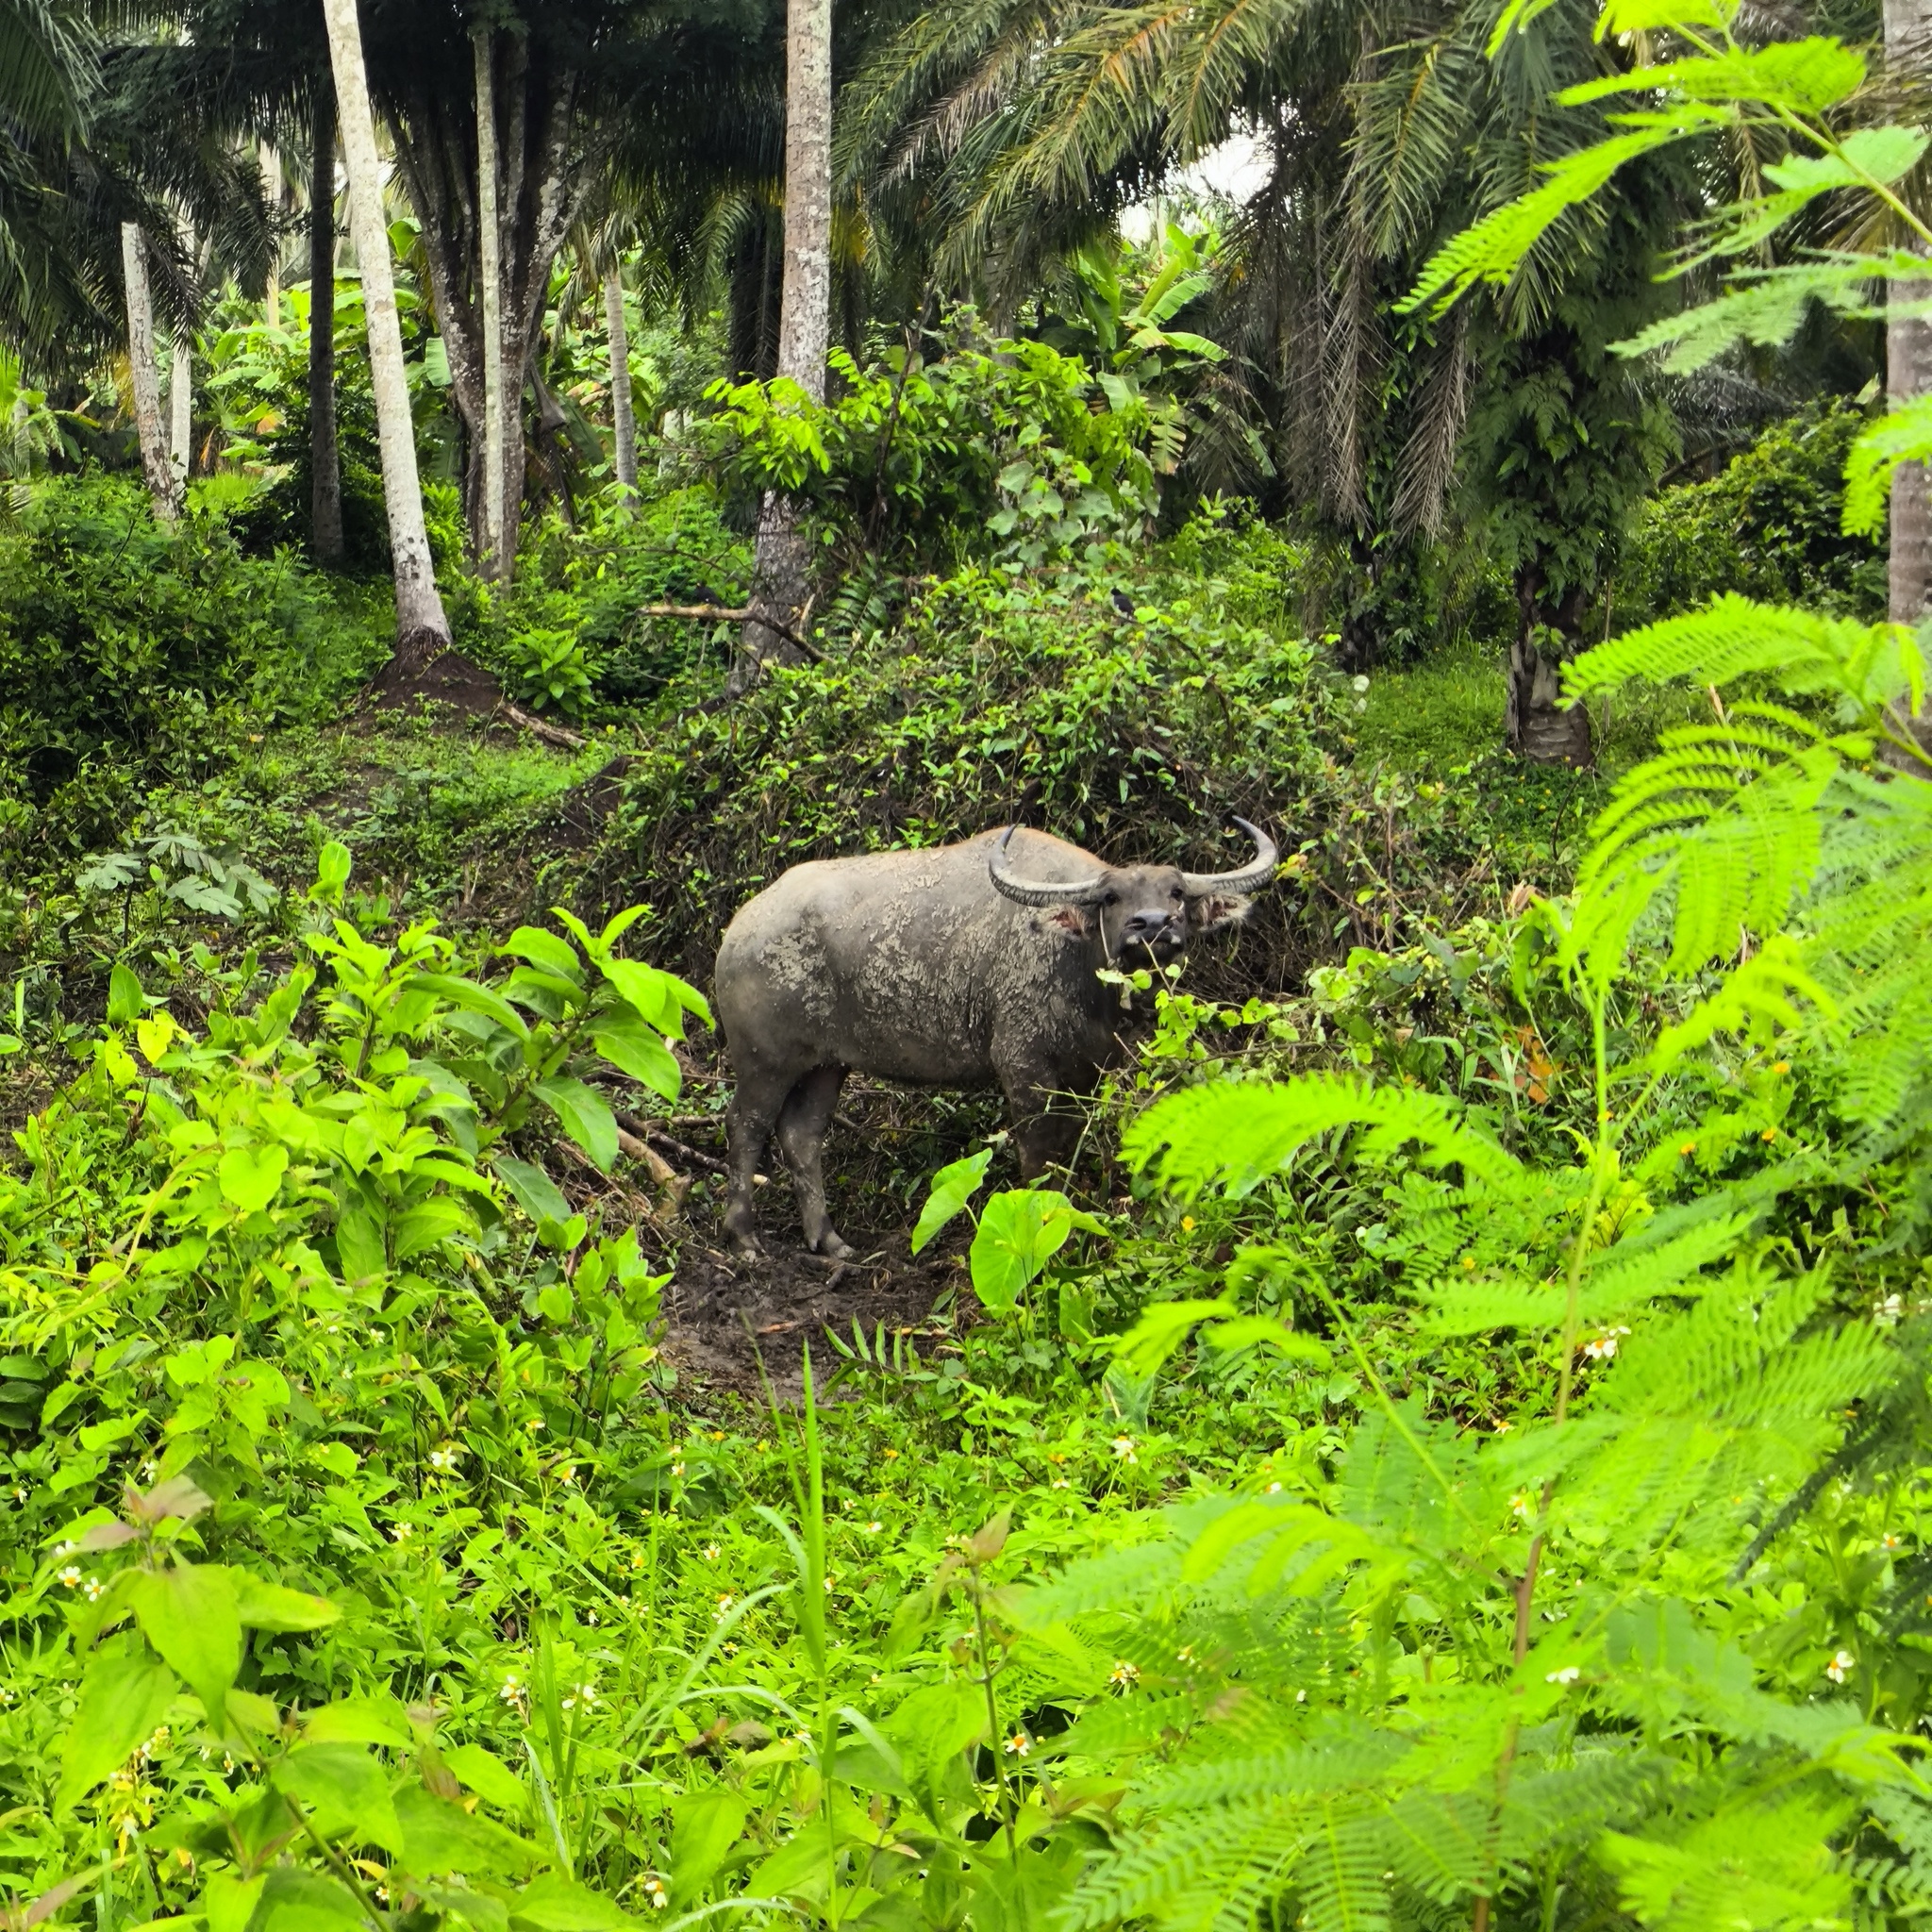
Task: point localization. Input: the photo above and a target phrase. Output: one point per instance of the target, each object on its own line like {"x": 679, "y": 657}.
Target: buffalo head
{"x": 1143, "y": 910}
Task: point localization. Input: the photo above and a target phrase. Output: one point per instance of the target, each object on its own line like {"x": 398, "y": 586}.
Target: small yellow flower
{"x": 1469, "y": 1262}
{"x": 1780, "y": 1066}
{"x": 1689, "y": 1148}
{"x": 1186, "y": 1223}
{"x": 1769, "y": 1135}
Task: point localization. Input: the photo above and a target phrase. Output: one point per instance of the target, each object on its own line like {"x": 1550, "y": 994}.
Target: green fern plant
{"x": 1489, "y": 1679}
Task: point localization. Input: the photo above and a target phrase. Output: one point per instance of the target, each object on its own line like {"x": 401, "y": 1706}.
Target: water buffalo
{"x": 967, "y": 965}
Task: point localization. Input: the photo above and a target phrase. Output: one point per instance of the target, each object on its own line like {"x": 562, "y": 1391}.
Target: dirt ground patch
{"x": 727, "y": 1316}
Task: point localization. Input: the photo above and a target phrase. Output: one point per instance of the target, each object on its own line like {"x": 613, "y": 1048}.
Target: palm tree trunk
{"x": 325, "y": 457}
{"x": 804, "y": 321}
{"x": 1534, "y": 725}
{"x": 154, "y": 466}
{"x": 1908, "y": 367}
{"x": 623, "y": 427}
{"x": 181, "y": 410}
{"x": 422, "y": 629}
{"x": 492, "y": 553}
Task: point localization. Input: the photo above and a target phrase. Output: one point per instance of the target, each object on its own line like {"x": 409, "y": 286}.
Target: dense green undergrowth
{"x": 1450, "y": 1449}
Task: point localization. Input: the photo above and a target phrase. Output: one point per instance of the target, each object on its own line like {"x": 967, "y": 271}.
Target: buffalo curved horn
{"x": 1030, "y": 891}
{"x": 1249, "y": 878}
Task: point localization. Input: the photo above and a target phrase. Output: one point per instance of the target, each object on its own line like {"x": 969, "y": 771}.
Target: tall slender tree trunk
{"x": 325, "y": 457}
{"x": 804, "y": 322}
{"x": 1909, "y": 365}
{"x": 154, "y": 466}
{"x": 422, "y": 629}
{"x": 1534, "y": 725}
{"x": 181, "y": 410}
{"x": 623, "y": 428}
{"x": 494, "y": 554}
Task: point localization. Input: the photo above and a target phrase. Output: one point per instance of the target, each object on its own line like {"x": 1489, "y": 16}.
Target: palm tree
{"x": 162, "y": 485}
{"x": 422, "y": 628}
{"x": 805, "y": 324}
{"x": 1909, "y": 364}
{"x": 1015, "y": 117}
{"x": 325, "y": 465}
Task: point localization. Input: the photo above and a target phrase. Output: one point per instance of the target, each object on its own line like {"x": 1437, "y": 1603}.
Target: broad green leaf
{"x": 124, "y": 1696}
{"x": 191, "y": 1614}
{"x": 228, "y": 1903}
{"x": 632, "y": 1048}
{"x": 585, "y": 1115}
{"x": 252, "y": 1176}
{"x": 360, "y": 1721}
{"x": 332, "y": 870}
{"x": 440, "y": 1837}
{"x": 952, "y": 1188}
{"x": 559, "y": 1905}
{"x": 250, "y": 1712}
{"x": 545, "y": 951}
{"x": 662, "y": 998}
{"x": 705, "y": 1827}
{"x": 344, "y": 1792}
{"x": 536, "y": 1193}
{"x": 125, "y": 1000}
{"x": 298, "y": 1899}
{"x": 430, "y": 1223}
{"x": 1020, "y": 1231}
{"x": 489, "y": 1776}
{"x": 473, "y": 998}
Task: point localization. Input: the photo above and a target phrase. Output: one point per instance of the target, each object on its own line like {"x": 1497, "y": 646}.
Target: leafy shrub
{"x": 1133, "y": 732}
{"x": 588, "y": 583}
{"x": 1005, "y": 449}
{"x": 128, "y": 652}
{"x": 1770, "y": 526}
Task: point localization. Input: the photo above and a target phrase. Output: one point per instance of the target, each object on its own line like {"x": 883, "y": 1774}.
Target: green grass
{"x": 1431, "y": 720}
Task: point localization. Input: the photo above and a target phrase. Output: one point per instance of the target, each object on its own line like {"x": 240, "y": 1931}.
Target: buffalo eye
{"x": 1111, "y": 899}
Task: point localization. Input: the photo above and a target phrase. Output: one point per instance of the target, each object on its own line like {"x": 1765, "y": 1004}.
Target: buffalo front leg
{"x": 748, "y": 1128}
{"x": 1042, "y": 1137}
{"x": 807, "y": 1114}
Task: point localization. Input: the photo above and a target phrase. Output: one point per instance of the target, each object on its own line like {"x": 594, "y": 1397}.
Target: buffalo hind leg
{"x": 754, "y": 1108}
{"x": 802, "y": 1125}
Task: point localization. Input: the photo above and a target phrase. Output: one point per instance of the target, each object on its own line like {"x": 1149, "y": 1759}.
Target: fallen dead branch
{"x": 732, "y": 613}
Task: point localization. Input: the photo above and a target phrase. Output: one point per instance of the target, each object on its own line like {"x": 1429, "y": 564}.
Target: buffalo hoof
{"x": 834, "y": 1249}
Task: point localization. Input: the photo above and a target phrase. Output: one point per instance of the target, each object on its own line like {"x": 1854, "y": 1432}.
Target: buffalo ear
{"x": 1069, "y": 919}
{"x": 1213, "y": 910}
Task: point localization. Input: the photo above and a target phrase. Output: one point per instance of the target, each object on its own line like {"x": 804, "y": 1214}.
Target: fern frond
{"x": 1771, "y": 1864}
{"x": 1240, "y": 1132}
{"x": 1343, "y": 1889}
{"x": 1733, "y": 637}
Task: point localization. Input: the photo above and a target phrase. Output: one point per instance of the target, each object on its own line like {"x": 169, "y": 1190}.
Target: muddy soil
{"x": 727, "y": 1316}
